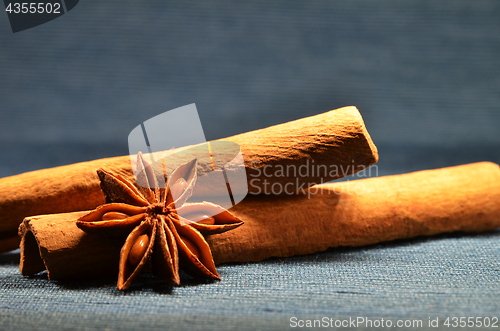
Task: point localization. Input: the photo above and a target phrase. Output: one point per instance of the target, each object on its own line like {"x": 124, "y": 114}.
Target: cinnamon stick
{"x": 355, "y": 213}
{"x": 367, "y": 211}
{"x": 338, "y": 137}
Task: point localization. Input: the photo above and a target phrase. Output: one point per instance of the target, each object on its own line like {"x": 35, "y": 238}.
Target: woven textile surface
{"x": 411, "y": 280}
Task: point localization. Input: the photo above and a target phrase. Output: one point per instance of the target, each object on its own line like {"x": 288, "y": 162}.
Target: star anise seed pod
{"x": 158, "y": 236}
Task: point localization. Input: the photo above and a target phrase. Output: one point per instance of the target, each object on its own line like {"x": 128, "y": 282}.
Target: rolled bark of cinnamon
{"x": 354, "y": 213}
{"x": 338, "y": 137}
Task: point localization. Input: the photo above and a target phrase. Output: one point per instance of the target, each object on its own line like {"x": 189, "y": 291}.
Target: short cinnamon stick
{"x": 338, "y": 137}
{"x": 354, "y": 213}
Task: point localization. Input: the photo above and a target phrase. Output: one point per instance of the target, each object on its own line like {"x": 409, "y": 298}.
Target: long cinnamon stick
{"x": 338, "y": 137}
{"x": 363, "y": 212}
{"x": 354, "y": 213}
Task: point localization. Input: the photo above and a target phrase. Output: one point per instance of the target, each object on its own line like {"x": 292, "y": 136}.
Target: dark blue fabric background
{"x": 424, "y": 74}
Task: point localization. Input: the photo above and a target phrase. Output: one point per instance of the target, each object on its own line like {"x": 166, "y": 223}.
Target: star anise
{"x": 158, "y": 236}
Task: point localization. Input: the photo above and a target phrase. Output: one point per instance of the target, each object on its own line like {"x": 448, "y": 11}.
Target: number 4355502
{"x": 33, "y": 8}
{"x": 470, "y": 322}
